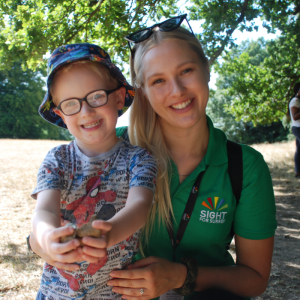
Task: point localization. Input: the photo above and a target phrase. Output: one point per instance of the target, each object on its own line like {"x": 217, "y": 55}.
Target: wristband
{"x": 28, "y": 244}
{"x": 191, "y": 276}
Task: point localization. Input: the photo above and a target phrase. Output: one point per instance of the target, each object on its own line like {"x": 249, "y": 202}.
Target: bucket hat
{"x": 67, "y": 54}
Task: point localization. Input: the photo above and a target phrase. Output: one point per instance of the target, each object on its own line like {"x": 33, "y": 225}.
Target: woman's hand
{"x": 154, "y": 275}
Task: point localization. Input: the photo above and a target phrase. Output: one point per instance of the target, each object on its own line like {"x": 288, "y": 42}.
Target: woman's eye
{"x": 158, "y": 81}
{"x": 187, "y": 71}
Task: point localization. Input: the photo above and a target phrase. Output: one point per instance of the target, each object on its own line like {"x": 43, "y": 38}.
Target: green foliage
{"x": 261, "y": 79}
{"x": 232, "y": 107}
{"x": 31, "y": 28}
{"x": 21, "y": 93}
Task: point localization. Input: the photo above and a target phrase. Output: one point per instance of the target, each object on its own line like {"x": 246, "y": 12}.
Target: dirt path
{"x": 20, "y": 271}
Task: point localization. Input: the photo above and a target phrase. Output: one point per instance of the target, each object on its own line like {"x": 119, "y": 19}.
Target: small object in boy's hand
{"x": 80, "y": 232}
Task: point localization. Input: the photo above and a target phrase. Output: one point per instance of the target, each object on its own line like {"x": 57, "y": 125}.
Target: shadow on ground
{"x": 285, "y": 273}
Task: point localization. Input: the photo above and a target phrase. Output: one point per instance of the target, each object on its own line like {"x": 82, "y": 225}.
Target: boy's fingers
{"x": 95, "y": 242}
{"x": 94, "y": 252}
{"x": 61, "y": 248}
{"x": 57, "y": 233}
{"x": 103, "y": 225}
{"x": 70, "y": 257}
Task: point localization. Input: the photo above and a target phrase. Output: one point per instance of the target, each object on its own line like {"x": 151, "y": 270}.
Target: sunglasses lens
{"x": 171, "y": 24}
{"x": 140, "y": 36}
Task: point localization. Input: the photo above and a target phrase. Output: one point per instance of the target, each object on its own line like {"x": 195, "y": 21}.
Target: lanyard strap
{"x": 185, "y": 216}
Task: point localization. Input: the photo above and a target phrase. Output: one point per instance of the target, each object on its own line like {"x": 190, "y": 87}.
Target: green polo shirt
{"x": 208, "y": 231}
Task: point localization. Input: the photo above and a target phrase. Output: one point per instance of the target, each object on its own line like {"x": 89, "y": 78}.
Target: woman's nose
{"x": 177, "y": 87}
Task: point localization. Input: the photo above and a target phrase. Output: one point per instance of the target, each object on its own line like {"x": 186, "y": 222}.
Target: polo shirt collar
{"x": 216, "y": 152}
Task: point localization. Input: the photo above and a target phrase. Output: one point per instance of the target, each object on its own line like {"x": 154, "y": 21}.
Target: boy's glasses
{"x": 167, "y": 25}
{"x": 94, "y": 99}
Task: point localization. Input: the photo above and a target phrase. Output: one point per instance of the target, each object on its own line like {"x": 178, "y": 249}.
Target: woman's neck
{"x": 187, "y": 146}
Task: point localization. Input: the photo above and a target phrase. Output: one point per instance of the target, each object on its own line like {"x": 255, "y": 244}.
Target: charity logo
{"x": 216, "y": 213}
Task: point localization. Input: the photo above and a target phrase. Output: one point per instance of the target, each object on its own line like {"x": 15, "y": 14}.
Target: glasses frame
{"x": 150, "y": 29}
{"x": 85, "y": 99}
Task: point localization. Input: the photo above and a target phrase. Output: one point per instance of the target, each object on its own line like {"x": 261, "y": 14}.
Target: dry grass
{"x": 20, "y": 271}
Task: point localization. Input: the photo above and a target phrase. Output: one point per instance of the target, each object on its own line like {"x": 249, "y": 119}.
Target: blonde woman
{"x": 170, "y": 73}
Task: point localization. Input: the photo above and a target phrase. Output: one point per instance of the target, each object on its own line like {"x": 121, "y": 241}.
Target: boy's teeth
{"x": 91, "y": 124}
{"x": 181, "y": 105}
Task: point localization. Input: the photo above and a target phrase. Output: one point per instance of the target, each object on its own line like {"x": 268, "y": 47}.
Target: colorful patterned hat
{"x": 69, "y": 53}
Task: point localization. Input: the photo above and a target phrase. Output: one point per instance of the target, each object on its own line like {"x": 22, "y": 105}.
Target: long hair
{"x": 145, "y": 128}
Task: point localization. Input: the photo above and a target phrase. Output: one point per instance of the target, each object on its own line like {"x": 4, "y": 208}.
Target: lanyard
{"x": 185, "y": 216}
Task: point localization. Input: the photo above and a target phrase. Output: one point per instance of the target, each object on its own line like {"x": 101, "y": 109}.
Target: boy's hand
{"x": 62, "y": 252}
{"x": 96, "y": 247}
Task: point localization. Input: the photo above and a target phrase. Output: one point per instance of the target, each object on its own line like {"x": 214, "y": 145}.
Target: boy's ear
{"x": 59, "y": 113}
{"x": 120, "y": 93}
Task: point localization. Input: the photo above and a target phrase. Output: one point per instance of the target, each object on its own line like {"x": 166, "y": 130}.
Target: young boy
{"x": 96, "y": 175}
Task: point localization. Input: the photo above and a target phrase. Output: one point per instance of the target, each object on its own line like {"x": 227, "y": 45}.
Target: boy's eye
{"x": 71, "y": 103}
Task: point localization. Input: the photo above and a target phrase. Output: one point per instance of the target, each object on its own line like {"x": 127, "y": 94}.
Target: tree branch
{"x": 86, "y": 22}
{"x": 229, "y": 33}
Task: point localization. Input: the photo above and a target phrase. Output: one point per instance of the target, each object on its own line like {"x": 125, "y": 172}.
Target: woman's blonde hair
{"x": 145, "y": 129}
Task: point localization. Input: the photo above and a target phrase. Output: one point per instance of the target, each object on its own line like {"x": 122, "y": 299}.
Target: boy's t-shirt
{"x": 97, "y": 185}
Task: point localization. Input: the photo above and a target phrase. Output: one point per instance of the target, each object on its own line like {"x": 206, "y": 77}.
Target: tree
{"x": 31, "y": 28}
{"x": 21, "y": 93}
{"x": 223, "y": 100}
{"x": 260, "y": 91}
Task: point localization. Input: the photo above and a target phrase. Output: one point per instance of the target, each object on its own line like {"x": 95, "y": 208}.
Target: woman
{"x": 294, "y": 110}
{"x": 171, "y": 75}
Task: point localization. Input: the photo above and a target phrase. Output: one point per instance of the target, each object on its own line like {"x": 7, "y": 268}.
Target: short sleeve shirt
{"x": 295, "y": 102}
{"x": 93, "y": 186}
{"x": 208, "y": 232}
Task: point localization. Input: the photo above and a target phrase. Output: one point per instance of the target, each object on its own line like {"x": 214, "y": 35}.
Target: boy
{"x": 96, "y": 175}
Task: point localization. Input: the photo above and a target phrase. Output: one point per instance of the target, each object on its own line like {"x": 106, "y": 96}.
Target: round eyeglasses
{"x": 94, "y": 99}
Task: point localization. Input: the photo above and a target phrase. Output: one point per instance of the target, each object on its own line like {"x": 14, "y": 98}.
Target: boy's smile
{"x": 93, "y": 128}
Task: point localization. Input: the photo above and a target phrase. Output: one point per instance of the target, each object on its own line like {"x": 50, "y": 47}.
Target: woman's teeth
{"x": 91, "y": 124}
{"x": 181, "y": 105}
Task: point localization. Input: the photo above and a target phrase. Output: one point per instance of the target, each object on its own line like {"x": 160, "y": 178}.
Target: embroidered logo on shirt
{"x": 215, "y": 213}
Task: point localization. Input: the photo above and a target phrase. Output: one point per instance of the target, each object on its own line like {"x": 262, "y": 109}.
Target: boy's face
{"x": 93, "y": 128}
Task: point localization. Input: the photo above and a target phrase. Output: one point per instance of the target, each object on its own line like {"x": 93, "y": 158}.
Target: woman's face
{"x": 176, "y": 84}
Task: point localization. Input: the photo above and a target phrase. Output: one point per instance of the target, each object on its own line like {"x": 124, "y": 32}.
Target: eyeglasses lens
{"x": 170, "y": 24}
{"x": 70, "y": 107}
{"x": 97, "y": 98}
{"x": 140, "y": 36}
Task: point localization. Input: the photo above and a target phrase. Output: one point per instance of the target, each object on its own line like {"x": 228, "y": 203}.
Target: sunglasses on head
{"x": 168, "y": 25}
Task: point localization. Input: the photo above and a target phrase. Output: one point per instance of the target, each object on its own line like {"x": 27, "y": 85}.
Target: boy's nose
{"x": 86, "y": 109}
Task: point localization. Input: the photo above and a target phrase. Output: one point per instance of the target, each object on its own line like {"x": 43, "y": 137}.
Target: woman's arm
{"x": 295, "y": 111}
{"x": 156, "y": 275}
{"x": 249, "y": 277}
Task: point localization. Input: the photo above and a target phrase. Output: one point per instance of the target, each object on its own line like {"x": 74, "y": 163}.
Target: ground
{"x": 20, "y": 271}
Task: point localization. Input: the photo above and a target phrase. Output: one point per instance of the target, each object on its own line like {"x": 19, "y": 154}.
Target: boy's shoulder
{"x": 61, "y": 150}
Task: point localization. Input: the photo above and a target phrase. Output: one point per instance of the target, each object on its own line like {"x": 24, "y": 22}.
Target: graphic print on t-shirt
{"x": 93, "y": 186}
{"x": 215, "y": 214}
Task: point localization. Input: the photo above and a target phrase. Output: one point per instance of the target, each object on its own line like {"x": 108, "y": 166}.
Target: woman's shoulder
{"x": 121, "y": 131}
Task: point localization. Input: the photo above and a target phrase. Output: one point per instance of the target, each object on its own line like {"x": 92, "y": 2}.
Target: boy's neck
{"x": 93, "y": 150}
